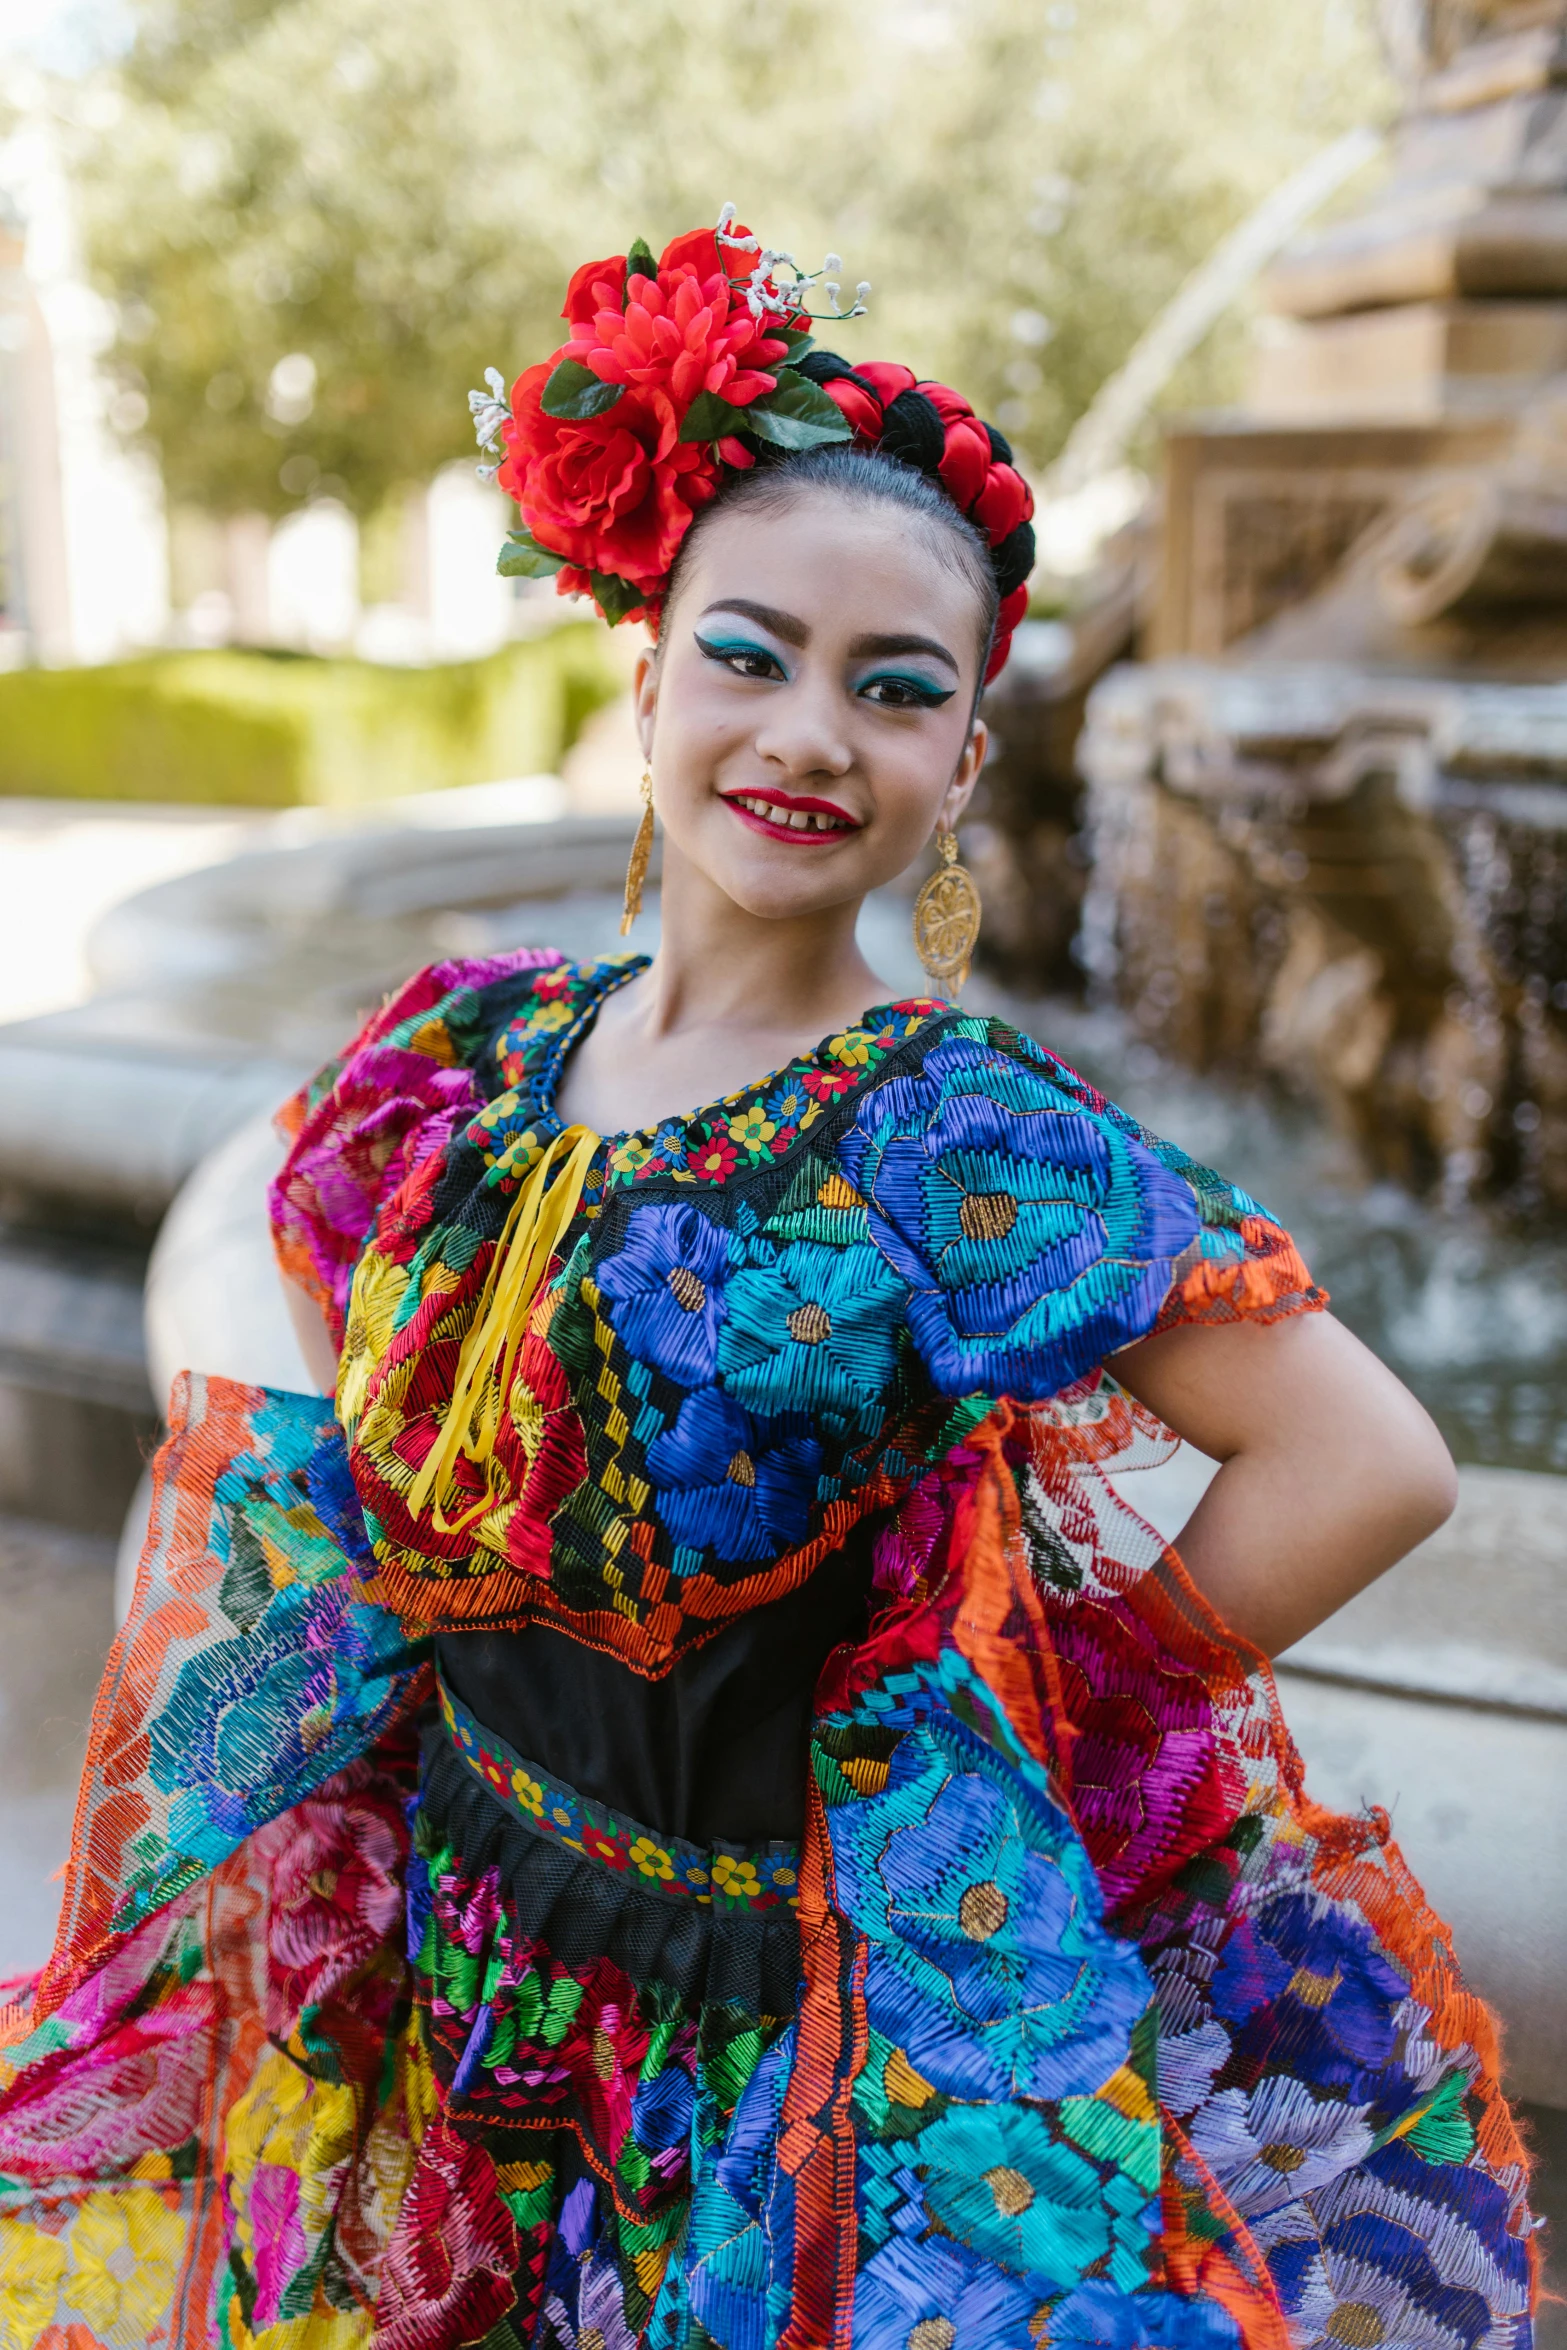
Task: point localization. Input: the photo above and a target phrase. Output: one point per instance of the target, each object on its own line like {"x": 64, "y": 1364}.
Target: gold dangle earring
{"x": 946, "y": 920}
{"x": 641, "y": 850}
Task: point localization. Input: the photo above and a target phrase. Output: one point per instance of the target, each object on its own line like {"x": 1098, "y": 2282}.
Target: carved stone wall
{"x": 1026, "y": 844}
{"x": 1357, "y": 885}
{"x": 1451, "y": 25}
{"x": 1257, "y": 519}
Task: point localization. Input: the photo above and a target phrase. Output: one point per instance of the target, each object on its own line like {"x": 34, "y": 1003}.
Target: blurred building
{"x": 35, "y": 600}
{"x": 93, "y": 568}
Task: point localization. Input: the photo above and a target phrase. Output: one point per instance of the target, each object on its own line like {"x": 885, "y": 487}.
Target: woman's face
{"x": 808, "y": 718}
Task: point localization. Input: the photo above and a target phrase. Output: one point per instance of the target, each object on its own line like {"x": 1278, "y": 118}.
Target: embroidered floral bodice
{"x": 767, "y": 1320}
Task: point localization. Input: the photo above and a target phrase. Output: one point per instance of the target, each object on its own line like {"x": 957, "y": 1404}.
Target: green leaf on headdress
{"x": 640, "y": 261}
{"x": 574, "y": 392}
{"x": 523, "y": 558}
{"x": 799, "y": 341}
{"x": 616, "y": 598}
{"x": 709, "y": 418}
{"x": 798, "y": 415}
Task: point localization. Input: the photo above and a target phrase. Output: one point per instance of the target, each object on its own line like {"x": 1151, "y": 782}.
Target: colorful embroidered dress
{"x": 778, "y": 1853}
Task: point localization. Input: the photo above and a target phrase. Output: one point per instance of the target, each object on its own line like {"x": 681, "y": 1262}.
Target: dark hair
{"x": 866, "y": 477}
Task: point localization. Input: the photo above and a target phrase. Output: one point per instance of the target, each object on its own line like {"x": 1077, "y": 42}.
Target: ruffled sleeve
{"x": 376, "y": 1115}
{"x": 1041, "y": 1229}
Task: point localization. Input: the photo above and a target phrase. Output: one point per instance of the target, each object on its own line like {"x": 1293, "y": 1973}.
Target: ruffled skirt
{"x": 1088, "y": 2028}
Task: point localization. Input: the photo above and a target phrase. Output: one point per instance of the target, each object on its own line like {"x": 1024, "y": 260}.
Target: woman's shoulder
{"x": 547, "y": 1008}
{"x": 1040, "y": 1226}
{"x": 1044, "y": 1105}
{"x": 446, "y": 1013}
{"x": 420, "y": 1064}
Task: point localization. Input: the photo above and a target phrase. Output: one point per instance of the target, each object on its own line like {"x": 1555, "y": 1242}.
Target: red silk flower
{"x": 607, "y": 491}
{"x": 615, "y": 493}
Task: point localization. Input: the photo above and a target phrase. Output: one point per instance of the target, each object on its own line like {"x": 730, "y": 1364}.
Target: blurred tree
{"x": 320, "y": 219}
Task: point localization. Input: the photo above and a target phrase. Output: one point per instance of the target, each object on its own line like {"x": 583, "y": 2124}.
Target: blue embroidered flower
{"x": 1279, "y": 2142}
{"x": 665, "y": 1287}
{"x": 1356, "y": 2262}
{"x": 738, "y": 2265}
{"x": 335, "y": 1498}
{"x": 661, "y": 2110}
{"x": 936, "y": 2292}
{"x": 791, "y": 1106}
{"x": 1308, "y": 1973}
{"x": 1098, "y": 2317}
{"x": 252, "y": 1724}
{"x": 729, "y": 1481}
{"x": 812, "y": 1329}
{"x": 989, "y": 1961}
{"x": 997, "y": 2180}
{"x": 1037, "y": 1236}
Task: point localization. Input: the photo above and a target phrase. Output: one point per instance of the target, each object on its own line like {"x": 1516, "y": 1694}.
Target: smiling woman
{"x": 682, "y": 1809}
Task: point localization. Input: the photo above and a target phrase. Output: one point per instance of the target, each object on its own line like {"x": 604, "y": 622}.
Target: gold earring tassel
{"x": 946, "y": 920}
{"x": 641, "y": 850}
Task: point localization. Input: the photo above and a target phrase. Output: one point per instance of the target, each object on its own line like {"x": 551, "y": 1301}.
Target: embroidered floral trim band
{"x": 727, "y": 1876}
{"x": 743, "y": 1131}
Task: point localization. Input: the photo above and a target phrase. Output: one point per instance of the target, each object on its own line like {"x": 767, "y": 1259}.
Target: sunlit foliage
{"x": 321, "y": 218}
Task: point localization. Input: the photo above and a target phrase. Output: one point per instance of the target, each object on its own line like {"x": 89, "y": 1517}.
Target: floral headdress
{"x": 702, "y": 360}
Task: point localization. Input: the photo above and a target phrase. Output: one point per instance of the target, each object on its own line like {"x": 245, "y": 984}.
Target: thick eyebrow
{"x": 864, "y": 648}
{"x": 887, "y": 648}
{"x": 781, "y": 624}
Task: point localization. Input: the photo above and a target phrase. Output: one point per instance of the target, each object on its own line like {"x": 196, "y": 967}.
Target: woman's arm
{"x": 1330, "y": 1469}
{"x": 315, "y": 1339}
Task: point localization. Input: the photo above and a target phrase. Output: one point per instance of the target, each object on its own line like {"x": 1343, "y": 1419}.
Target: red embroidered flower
{"x": 714, "y": 1160}
{"x": 449, "y": 2270}
{"x": 539, "y": 1450}
{"x": 826, "y": 1083}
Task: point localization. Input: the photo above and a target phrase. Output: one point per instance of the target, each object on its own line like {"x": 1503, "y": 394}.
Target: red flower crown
{"x": 679, "y": 368}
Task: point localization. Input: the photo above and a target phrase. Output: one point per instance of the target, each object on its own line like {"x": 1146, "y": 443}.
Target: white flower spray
{"x": 768, "y": 295}
{"x": 489, "y": 411}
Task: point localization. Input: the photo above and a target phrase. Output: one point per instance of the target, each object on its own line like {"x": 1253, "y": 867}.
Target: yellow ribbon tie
{"x": 535, "y": 1222}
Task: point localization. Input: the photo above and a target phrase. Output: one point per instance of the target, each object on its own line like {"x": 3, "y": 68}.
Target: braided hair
{"x": 920, "y": 447}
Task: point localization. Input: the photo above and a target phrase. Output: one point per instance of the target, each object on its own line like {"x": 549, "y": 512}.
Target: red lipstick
{"x": 770, "y": 812}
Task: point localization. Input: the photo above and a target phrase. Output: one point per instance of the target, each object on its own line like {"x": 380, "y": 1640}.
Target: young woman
{"x": 682, "y": 1809}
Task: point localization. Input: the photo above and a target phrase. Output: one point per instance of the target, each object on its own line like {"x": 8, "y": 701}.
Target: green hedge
{"x": 275, "y": 730}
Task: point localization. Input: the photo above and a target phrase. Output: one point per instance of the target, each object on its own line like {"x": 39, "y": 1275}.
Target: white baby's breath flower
{"x": 776, "y": 286}
{"x": 489, "y": 411}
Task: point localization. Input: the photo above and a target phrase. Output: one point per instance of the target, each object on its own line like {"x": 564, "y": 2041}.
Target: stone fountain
{"x": 1329, "y": 811}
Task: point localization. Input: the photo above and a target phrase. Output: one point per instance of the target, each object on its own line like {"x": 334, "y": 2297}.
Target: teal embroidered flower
{"x": 992, "y": 1919}
{"x": 811, "y": 1329}
{"x": 990, "y": 1963}
{"x": 997, "y": 2180}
